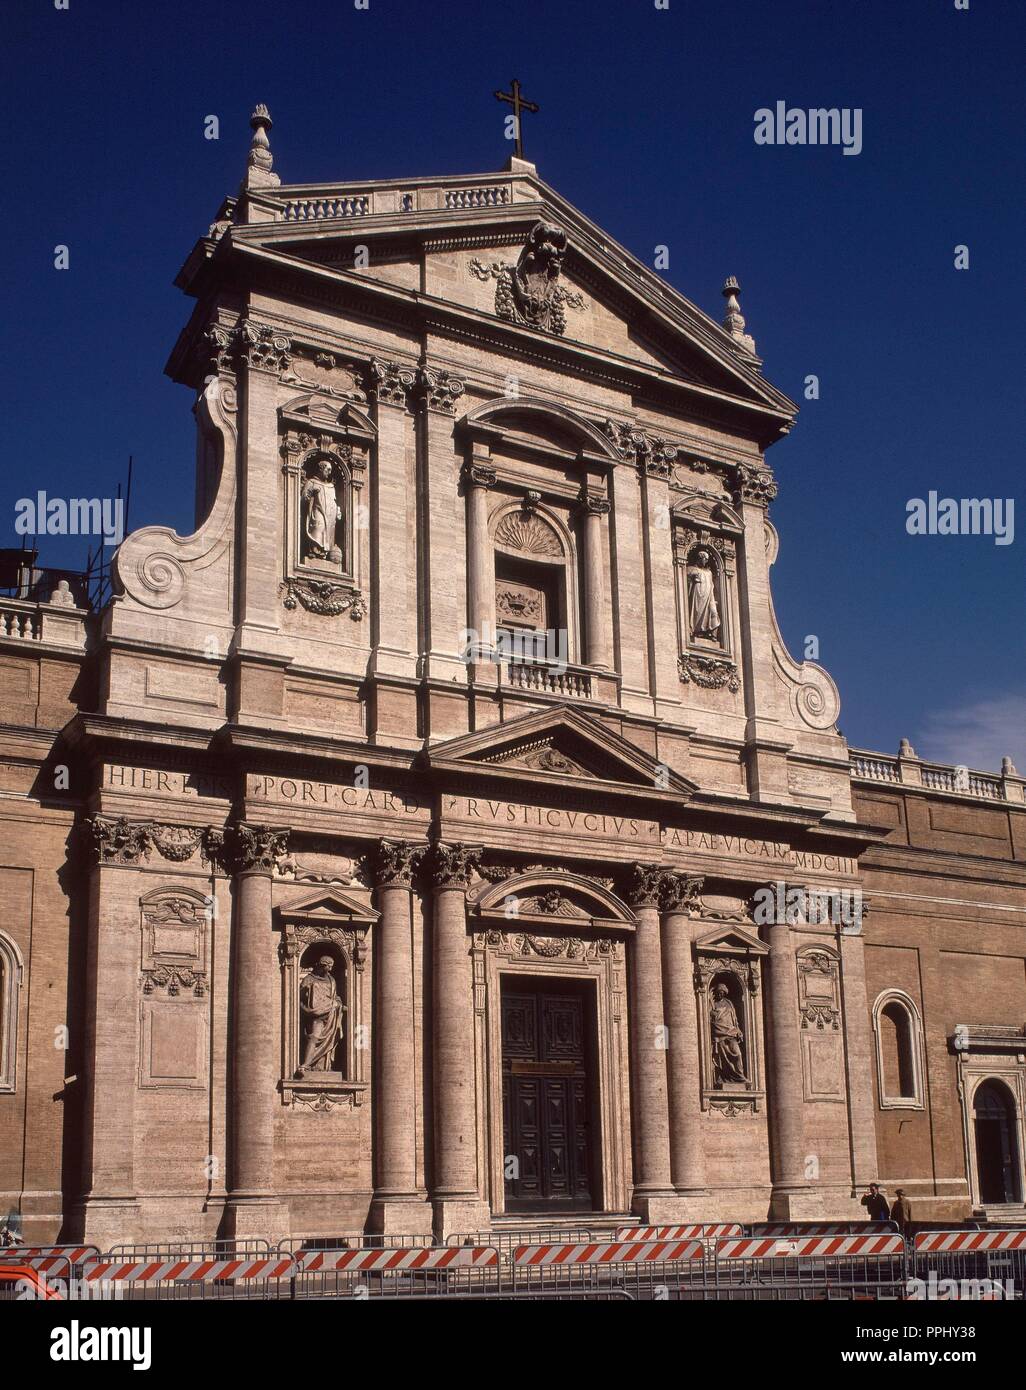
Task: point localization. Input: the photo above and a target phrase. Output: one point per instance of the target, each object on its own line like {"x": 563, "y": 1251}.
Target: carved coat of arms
{"x": 530, "y": 292}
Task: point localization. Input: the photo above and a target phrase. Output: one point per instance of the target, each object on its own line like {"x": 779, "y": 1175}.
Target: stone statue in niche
{"x": 321, "y": 513}
{"x": 703, "y": 609}
{"x": 727, "y": 1037}
{"x": 320, "y": 1018}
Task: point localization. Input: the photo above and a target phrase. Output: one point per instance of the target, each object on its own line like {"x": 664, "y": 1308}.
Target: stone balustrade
{"x": 320, "y": 202}
{"x": 908, "y": 770}
{"x": 553, "y": 680}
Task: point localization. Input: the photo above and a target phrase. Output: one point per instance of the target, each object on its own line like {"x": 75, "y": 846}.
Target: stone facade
{"x": 468, "y": 687}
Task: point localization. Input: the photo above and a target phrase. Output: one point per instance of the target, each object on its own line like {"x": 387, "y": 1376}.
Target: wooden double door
{"x": 548, "y": 1095}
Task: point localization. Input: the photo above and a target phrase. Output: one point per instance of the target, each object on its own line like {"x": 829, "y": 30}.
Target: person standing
{"x": 901, "y": 1211}
{"x": 875, "y": 1204}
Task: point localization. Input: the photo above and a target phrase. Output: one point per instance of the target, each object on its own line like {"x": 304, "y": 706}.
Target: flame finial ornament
{"x": 734, "y": 322}
{"x": 260, "y": 161}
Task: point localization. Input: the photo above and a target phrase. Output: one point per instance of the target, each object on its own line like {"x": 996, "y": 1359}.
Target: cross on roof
{"x": 518, "y": 104}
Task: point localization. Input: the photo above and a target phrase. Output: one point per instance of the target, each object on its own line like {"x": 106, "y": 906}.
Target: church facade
{"x": 441, "y": 834}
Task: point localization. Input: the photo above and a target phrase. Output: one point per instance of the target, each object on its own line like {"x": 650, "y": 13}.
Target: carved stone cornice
{"x": 682, "y": 893}
{"x": 756, "y": 485}
{"x": 644, "y": 885}
{"x": 710, "y": 672}
{"x": 396, "y": 862}
{"x": 438, "y": 390}
{"x": 249, "y": 848}
{"x": 262, "y": 348}
{"x": 323, "y": 597}
{"x": 116, "y": 840}
{"x": 479, "y": 475}
{"x": 391, "y": 382}
{"x": 452, "y": 865}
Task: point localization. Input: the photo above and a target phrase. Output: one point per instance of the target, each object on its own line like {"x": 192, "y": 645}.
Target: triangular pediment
{"x": 326, "y": 905}
{"x": 731, "y": 941}
{"x": 560, "y": 744}
{"x": 447, "y": 247}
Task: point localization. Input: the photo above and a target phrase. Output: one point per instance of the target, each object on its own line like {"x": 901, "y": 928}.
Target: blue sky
{"x": 846, "y": 263}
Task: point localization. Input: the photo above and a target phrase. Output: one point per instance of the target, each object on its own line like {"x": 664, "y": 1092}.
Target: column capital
{"x": 591, "y": 504}
{"x": 253, "y": 848}
{"x": 115, "y": 840}
{"x": 754, "y": 484}
{"x": 476, "y": 473}
{"x": 452, "y": 865}
{"x": 680, "y": 893}
{"x": 396, "y": 862}
{"x": 438, "y": 390}
{"x": 644, "y": 885}
{"x": 391, "y": 382}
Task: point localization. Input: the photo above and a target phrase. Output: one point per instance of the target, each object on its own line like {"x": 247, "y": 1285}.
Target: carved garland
{"x": 323, "y": 597}
{"x": 712, "y": 673}
{"x": 548, "y": 948}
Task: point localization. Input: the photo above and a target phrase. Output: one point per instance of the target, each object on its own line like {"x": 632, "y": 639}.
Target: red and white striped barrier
{"x": 425, "y": 1257}
{"x": 776, "y": 1247}
{"x": 941, "y": 1242}
{"x": 694, "y": 1230}
{"x": 824, "y": 1229}
{"x": 44, "y": 1257}
{"x": 189, "y": 1270}
{"x": 616, "y": 1252}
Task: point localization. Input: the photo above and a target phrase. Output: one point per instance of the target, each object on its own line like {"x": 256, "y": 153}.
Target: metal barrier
{"x": 44, "y": 1257}
{"x": 972, "y": 1261}
{"x": 507, "y": 1241}
{"x": 779, "y": 1269}
{"x": 356, "y": 1240}
{"x": 196, "y": 1275}
{"x": 400, "y": 1272}
{"x": 687, "y": 1262}
{"x": 254, "y": 1246}
{"x": 699, "y": 1230}
{"x": 817, "y": 1228}
{"x": 639, "y": 1269}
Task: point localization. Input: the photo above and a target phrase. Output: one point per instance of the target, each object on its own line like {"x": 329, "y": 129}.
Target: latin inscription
{"x": 118, "y": 777}
{"x": 771, "y": 851}
{"x": 334, "y": 796}
{"x": 516, "y": 815}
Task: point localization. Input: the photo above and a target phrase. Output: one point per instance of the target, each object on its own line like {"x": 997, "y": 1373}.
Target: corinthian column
{"x": 253, "y": 1209}
{"x": 791, "y": 1197}
{"x": 687, "y": 1153}
{"x": 596, "y": 653}
{"x": 457, "y": 1200}
{"x": 398, "y": 1207}
{"x": 653, "y": 1189}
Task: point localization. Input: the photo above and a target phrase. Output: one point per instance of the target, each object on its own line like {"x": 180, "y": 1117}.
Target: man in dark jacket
{"x": 875, "y": 1204}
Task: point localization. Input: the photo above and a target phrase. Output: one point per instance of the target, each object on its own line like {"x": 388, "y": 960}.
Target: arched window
{"x": 898, "y": 1051}
{"x": 10, "y": 988}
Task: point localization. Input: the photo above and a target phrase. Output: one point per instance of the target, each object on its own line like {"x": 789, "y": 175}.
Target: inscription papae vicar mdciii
{"x": 335, "y": 796}
{"x": 515, "y": 815}
{"x": 767, "y": 851}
